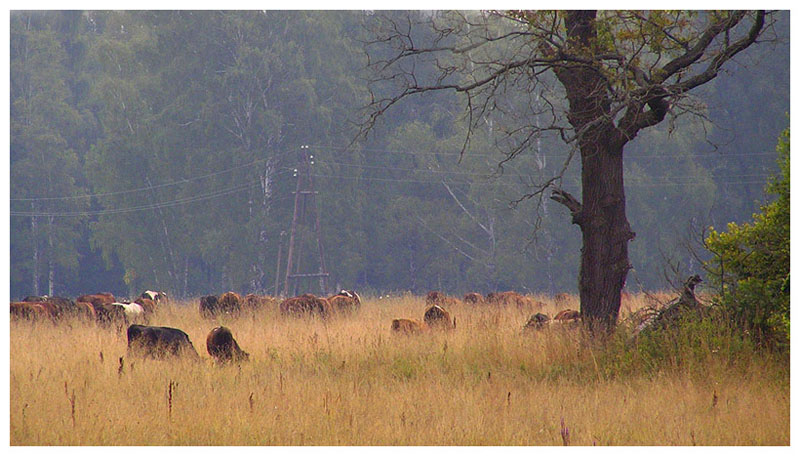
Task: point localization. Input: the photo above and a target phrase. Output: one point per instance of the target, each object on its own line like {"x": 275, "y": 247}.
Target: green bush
{"x": 750, "y": 266}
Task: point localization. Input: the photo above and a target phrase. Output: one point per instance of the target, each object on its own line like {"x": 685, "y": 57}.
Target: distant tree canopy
{"x": 157, "y": 149}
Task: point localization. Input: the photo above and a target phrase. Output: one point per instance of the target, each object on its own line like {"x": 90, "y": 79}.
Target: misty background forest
{"x": 161, "y": 150}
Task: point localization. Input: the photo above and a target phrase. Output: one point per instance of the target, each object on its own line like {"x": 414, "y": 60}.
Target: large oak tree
{"x": 595, "y": 79}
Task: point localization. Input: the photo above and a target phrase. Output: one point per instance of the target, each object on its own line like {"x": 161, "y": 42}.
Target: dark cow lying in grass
{"x": 159, "y": 342}
{"x": 537, "y": 321}
{"x": 223, "y": 347}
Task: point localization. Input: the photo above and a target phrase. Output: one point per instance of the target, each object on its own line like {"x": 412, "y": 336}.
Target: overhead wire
{"x": 159, "y": 185}
{"x": 156, "y": 205}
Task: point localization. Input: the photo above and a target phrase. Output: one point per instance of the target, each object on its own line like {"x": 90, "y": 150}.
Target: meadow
{"x": 350, "y": 381}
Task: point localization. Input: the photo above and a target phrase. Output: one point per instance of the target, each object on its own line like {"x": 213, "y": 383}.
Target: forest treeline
{"x": 161, "y": 150}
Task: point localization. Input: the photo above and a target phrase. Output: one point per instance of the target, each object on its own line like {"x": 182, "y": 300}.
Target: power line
{"x": 161, "y": 185}
{"x": 556, "y": 156}
{"x": 158, "y": 205}
{"x": 657, "y": 184}
{"x": 489, "y": 175}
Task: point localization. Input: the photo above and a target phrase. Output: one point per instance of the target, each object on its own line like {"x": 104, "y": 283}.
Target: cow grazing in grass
{"x": 537, "y": 321}
{"x": 108, "y": 314}
{"x": 510, "y": 298}
{"x": 474, "y": 298}
{"x": 86, "y": 311}
{"x": 148, "y": 305}
{"x": 306, "y": 304}
{"x": 230, "y": 303}
{"x": 223, "y": 347}
{"x": 437, "y": 317}
{"x": 131, "y": 311}
{"x": 434, "y": 298}
{"x": 253, "y": 302}
{"x": 158, "y": 297}
{"x": 56, "y": 306}
{"x": 159, "y": 342}
{"x": 568, "y": 317}
{"x": 406, "y": 326}
{"x": 97, "y": 300}
{"x": 208, "y": 306}
{"x": 346, "y": 301}
{"x": 29, "y": 311}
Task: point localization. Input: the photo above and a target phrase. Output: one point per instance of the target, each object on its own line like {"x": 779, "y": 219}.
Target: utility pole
{"x": 304, "y": 198}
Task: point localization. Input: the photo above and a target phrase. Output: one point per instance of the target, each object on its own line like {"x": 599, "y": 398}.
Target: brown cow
{"x": 86, "y": 311}
{"x": 306, "y": 304}
{"x": 28, "y": 311}
{"x": 474, "y": 298}
{"x": 510, "y": 298}
{"x": 254, "y": 302}
{"x": 97, "y": 300}
{"x": 346, "y": 301}
{"x": 148, "y": 305}
{"x": 230, "y": 303}
{"x": 223, "y": 347}
{"x": 437, "y": 317}
{"x": 406, "y": 326}
{"x": 568, "y": 316}
{"x": 438, "y": 298}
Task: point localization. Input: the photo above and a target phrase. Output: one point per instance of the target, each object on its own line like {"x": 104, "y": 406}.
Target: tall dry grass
{"x": 351, "y": 381}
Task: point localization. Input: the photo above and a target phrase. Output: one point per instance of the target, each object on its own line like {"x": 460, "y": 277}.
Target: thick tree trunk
{"x": 601, "y": 214}
{"x": 606, "y": 233}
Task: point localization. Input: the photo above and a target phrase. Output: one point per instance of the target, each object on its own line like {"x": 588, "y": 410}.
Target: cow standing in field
{"x": 97, "y": 299}
{"x": 159, "y": 342}
{"x": 28, "y": 311}
{"x": 345, "y": 301}
{"x": 437, "y": 317}
{"x": 158, "y": 297}
{"x": 306, "y": 304}
{"x": 474, "y": 299}
{"x": 223, "y": 347}
{"x": 208, "y": 306}
{"x": 511, "y": 298}
{"x": 254, "y": 303}
{"x": 148, "y": 305}
{"x": 438, "y": 298}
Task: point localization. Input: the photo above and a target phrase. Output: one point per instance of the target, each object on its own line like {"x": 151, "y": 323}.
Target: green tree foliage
{"x": 751, "y": 262}
{"x": 185, "y": 128}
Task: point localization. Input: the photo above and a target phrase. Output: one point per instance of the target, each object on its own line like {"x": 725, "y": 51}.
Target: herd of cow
{"x": 160, "y": 341}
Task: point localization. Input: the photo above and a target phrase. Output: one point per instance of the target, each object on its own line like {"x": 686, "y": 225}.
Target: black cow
{"x": 159, "y": 342}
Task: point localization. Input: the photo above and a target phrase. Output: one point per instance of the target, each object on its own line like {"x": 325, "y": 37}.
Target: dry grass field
{"x": 350, "y": 381}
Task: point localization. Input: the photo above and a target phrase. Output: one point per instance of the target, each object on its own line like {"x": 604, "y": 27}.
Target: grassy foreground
{"x": 351, "y": 382}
